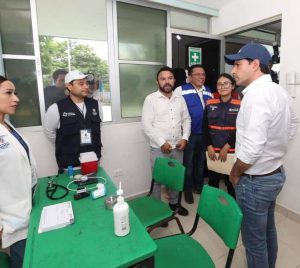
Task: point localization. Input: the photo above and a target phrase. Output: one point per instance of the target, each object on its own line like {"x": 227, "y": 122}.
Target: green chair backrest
{"x": 4, "y": 260}
{"x": 222, "y": 213}
{"x": 169, "y": 172}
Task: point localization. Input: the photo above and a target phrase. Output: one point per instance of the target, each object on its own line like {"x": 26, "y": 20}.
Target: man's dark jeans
{"x": 193, "y": 160}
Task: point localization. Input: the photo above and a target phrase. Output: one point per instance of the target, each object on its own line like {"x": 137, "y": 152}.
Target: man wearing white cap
{"x": 73, "y": 123}
{"x": 265, "y": 123}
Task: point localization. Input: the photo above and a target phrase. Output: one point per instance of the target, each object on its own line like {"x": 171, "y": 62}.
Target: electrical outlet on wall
{"x": 118, "y": 173}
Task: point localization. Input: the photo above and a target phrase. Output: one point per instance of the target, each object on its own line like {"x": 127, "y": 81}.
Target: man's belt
{"x": 278, "y": 170}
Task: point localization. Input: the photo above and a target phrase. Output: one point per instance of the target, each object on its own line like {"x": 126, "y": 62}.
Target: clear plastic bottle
{"x": 121, "y": 215}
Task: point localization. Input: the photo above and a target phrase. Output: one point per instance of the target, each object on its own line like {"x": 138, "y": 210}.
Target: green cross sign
{"x": 195, "y": 55}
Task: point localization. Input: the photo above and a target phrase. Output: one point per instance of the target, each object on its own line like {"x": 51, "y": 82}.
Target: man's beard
{"x": 168, "y": 90}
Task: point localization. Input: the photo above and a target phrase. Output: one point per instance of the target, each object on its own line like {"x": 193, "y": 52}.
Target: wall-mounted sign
{"x": 195, "y": 55}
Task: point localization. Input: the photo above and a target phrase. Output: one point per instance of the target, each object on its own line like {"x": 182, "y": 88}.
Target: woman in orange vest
{"x": 220, "y": 127}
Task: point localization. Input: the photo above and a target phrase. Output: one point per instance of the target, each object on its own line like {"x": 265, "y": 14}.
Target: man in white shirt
{"x": 167, "y": 125}
{"x": 265, "y": 123}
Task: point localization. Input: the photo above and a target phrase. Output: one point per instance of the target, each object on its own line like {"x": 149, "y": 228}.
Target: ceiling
{"x": 266, "y": 34}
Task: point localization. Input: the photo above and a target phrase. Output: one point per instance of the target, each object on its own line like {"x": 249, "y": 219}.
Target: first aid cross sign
{"x": 195, "y": 55}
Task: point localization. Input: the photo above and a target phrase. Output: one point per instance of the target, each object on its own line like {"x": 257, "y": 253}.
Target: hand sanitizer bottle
{"x": 121, "y": 215}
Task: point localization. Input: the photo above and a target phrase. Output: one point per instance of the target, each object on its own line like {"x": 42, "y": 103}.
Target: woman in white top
{"x": 17, "y": 178}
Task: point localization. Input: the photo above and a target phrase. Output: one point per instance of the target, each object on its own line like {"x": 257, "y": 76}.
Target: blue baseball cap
{"x": 250, "y": 51}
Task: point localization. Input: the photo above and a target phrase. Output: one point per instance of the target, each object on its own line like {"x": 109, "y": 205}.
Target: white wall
{"x": 125, "y": 155}
{"x": 240, "y": 13}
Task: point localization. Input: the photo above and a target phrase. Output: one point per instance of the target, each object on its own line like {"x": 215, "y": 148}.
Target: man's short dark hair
{"x": 191, "y": 68}
{"x": 263, "y": 68}
{"x": 164, "y": 69}
{"x": 58, "y": 72}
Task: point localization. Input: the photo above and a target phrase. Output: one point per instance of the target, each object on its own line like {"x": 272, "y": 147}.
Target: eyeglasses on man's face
{"x": 224, "y": 85}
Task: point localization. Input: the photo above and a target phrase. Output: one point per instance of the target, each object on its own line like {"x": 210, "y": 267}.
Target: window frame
{"x": 113, "y": 60}
{"x": 116, "y": 104}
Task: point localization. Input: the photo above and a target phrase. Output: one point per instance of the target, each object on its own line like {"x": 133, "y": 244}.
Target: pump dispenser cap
{"x": 120, "y": 191}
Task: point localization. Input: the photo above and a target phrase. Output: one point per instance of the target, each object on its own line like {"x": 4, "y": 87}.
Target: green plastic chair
{"x": 153, "y": 212}
{"x": 219, "y": 210}
{"x": 4, "y": 260}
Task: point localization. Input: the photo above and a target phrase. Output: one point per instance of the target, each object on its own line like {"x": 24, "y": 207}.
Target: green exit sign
{"x": 195, "y": 55}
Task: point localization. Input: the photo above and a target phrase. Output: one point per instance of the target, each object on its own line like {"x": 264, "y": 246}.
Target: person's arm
{"x": 51, "y": 122}
{"x": 257, "y": 116}
{"x": 238, "y": 169}
{"x": 229, "y": 144}
{"x": 207, "y": 139}
{"x": 223, "y": 152}
{"x": 186, "y": 121}
{"x": 206, "y": 134}
{"x": 186, "y": 126}
{"x": 100, "y": 110}
{"x": 148, "y": 117}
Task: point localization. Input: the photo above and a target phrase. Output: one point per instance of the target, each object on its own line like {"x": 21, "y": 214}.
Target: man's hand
{"x": 181, "y": 145}
{"x": 234, "y": 179}
{"x": 238, "y": 169}
{"x": 223, "y": 152}
{"x": 166, "y": 148}
{"x": 211, "y": 153}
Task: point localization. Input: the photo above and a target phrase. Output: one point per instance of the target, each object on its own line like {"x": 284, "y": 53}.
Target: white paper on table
{"x": 221, "y": 167}
{"x": 56, "y": 216}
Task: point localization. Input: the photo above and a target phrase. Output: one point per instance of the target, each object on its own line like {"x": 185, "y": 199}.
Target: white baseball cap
{"x": 77, "y": 75}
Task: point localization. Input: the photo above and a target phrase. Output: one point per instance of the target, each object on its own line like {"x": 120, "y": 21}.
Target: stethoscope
{"x": 52, "y": 188}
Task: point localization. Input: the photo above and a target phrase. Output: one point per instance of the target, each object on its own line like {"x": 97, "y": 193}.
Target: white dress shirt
{"x": 178, "y": 90}
{"x": 165, "y": 120}
{"x": 265, "y": 123}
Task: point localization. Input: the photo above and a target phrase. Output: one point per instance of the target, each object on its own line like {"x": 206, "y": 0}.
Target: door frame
{"x": 171, "y": 31}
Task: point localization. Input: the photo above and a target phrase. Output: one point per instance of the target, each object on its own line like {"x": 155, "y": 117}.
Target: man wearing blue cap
{"x": 265, "y": 123}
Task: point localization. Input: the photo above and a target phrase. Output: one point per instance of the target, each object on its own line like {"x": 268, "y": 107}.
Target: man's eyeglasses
{"x": 224, "y": 85}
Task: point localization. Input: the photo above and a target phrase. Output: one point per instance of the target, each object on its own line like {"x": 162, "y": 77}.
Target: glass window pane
{"x": 80, "y": 45}
{"x": 22, "y": 73}
{"x": 136, "y": 82}
{"x": 141, "y": 33}
{"x": 15, "y": 27}
{"x": 58, "y": 55}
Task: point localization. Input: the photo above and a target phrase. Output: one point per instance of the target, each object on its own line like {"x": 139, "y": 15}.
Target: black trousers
{"x": 17, "y": 251}
{"x": 214, "y": 179}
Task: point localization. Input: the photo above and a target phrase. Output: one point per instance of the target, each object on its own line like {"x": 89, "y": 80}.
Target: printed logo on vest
{"x": 233, "y": 109}
{"x": 94, "y": 112}
{"x": 3, "y": 144}
{"x": 68, "y": 114}
{"x": 213, "y": 107}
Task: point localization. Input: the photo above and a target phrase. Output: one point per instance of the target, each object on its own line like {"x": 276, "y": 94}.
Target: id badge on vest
{"x": 85, "y": 137}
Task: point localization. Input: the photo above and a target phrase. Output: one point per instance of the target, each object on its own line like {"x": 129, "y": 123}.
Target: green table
{"x": 90, "y": 241}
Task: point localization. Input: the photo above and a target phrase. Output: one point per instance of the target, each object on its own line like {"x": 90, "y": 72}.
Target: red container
{"x": 89, "y": 167}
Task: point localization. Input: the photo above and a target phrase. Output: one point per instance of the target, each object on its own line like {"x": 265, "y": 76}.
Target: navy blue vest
{"x": 221, "y": 118}
{"x": 67, "y": 143}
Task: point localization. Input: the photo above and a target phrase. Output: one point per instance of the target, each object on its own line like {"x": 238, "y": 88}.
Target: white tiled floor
{"x": 288, "y": 239}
